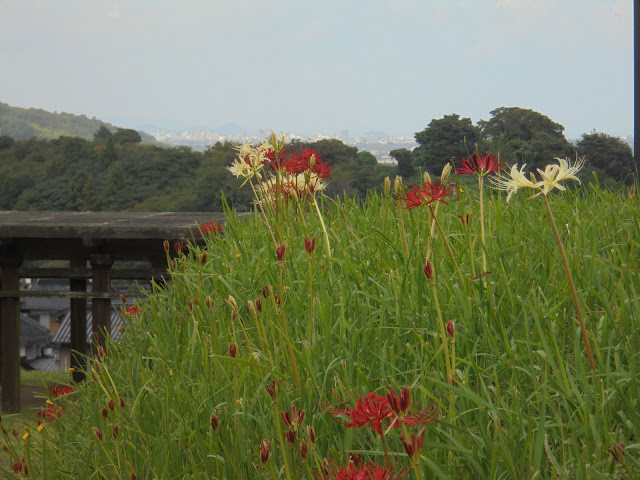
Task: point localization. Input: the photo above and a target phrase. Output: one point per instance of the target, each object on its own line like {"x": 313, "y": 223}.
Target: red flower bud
{"x": 98, "y": 433}
{"x": 165, "y": 244}
{"x": 114, "y": 432}
{"x": 121, "y": 402}
{"x": 265, "y": 450}
{"x": 209, "y": 302}
{"x": 233, "y": 348}
{"x": 101, "y": 352}
{"x": 272, "y": 389}
{"x": 203, "y": 258}
{"x": 312, "y": 434}
{"x": 290, "y": 435}
{"x": 428, "y": 269}
{"x": 451, "y": 329}
{"x": 214, "y": 422}
{"x": 105, "y": 413}
{"x": 259, "y": 305}
{"x": 178, "y": 247}
{"x": 280, "y": 251}
{"x": 309, "y": 245}
{"x": 304, "y": 449}
{"x": 112, "y": 404}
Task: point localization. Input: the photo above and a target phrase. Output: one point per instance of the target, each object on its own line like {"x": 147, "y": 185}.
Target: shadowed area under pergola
{"x": 97, "y": 239}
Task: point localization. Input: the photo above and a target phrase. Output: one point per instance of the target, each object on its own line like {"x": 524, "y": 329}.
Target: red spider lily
{"x": 372, "y": 409}
{"x": 479, "y": 165}
{"x": 295, "y": 419}
{"x": 134, "y": 310}
{"x": 301, "y": 162}
{"x": 369, "y": 471}
{"x": 178, "y": 247}
{"x": 210, "y": 227}
{"x": 60, "y": 390}
{"x": 426, "y": 195}
{"x": 399, "y": 403}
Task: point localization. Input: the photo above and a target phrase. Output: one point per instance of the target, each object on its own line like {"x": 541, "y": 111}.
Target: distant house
{"x": 47, "y": 311}
{"x": 51, "y": 315}
{"x": 35, "y": 344}
{"x": 61, "y": 341}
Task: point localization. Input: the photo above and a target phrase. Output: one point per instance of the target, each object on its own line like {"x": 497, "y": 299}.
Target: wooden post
{"x": 78, "y": 324}
{"x": 10, "y": 333}
{"x": 101, "y": 282}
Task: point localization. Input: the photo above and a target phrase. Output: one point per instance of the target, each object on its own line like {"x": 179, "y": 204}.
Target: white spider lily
{"x": 552, "y": 176}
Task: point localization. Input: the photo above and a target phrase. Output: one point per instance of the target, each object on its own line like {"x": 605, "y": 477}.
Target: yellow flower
{"x": 40, "y": 427}
{"x": 551, "y": 176}
{"x": 238, "y": 255}
{"x": 71, "y": 369}
{"x": 25, "y": 436}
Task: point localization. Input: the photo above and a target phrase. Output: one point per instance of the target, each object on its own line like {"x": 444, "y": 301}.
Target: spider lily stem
{"x": 574, "y": 293}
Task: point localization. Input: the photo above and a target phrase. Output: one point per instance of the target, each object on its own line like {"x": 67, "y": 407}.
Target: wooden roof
{"x": 121, "y": 225}
{"x": 123, "y": 235}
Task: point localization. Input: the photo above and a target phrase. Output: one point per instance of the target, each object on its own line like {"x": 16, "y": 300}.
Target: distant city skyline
{"x": 303, "y": 66}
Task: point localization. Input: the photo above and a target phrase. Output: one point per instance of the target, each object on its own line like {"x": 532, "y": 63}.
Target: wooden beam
{"x": 65, "y": 294}
{"x": 85, "y": 273}
{"x": 78, "y": 325}
{"x": 10, "y": 336}
{"x": 101, "y": 281}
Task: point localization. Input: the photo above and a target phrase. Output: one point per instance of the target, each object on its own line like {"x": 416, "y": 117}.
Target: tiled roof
{"x": 63, "y": 334}
{"x": 55, "y": 305}
{"x": 32, "y": 332}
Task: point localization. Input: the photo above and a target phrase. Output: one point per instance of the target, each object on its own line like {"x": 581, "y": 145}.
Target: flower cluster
{"x": 425, "y": 195}
{"x": 294, "y": 174}
{"x": 53, "y": 410}
{"x": 479, "y": 165}
{"x": 364, "y": 471}
{"x": 373, "y": 410}
{"x": 551, "y": 177}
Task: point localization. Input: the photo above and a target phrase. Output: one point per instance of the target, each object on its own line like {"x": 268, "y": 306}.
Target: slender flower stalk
{"x": 574, "y": 293}
{"x": 551, "y": 178}
{"x": 480, "y": 166}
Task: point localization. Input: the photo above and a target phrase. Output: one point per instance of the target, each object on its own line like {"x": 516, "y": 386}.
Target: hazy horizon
{"x": 380, "y": 65}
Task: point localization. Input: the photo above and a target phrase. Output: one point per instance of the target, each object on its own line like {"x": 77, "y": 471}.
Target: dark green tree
{"x": 445, "y": 138}
{"x": 367, "y": 158}
{"x": 5, "y": 142}
{"x": 102, "y": 134}
{"x": 404, "y": 157}
{"x": 608, "y": 156}
{"x": 521, "y": 135}
{"x": 82, "y": 193}
{"x": 126, "y": 135}
{"x": 110, "y": 155}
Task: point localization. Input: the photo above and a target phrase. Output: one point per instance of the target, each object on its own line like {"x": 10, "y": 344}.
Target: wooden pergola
{"x": 91, "y": 242}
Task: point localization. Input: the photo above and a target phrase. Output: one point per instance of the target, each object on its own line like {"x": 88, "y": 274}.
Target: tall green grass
{"x": 526, "y": 404}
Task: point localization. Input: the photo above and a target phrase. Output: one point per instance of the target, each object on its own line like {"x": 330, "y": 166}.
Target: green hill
{"x": 22, "y": 123}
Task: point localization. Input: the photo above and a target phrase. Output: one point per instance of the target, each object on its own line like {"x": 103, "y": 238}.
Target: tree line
{"x": 116, "y": 172}
{"x": 520, "y": 136}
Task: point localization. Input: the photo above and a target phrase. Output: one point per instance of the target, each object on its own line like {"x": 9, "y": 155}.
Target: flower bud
{"x": 259, "y": 305}
{"x": 252, "y": 309}
{"x": 426, "y": 178}
{"x": 214, "y": 422}
{"x": 233, "y": 348}
{"x": 312, "y": 162}
{"x": 290, "y": 435}
{"x": 304, "y": 449}
{"x": 309, "y": 245}
{"x": 446, "y": 171}
{"x": 398, "y": 187}
{"x": 451, "y": 330}
{"x": 98, "y": 433}
{"x": 114, "y": 432}
{"x": 265, "y": 450}
{"x": 203, "y": 258}
{"x": 280, "y": 251}
{"x": 209, "y": 302}
{"x": 387, "y": 187}
{"x": 121, "y": 402}
{"x": 105, "y": 413}
{"x": 428, "y": 269}
{"x": 232, "y": 303}
{"x": 165, "y": 244}
{"x": 312, "y": 434}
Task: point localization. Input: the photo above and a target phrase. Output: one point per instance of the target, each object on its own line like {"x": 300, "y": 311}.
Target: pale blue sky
{"x": 320, "y": 65}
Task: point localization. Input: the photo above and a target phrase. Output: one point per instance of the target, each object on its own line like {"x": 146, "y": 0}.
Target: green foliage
{"x": 522, "y": 136}
{"x": 525, "y": 403}
{"x": 126, "y": 135}
{"x": 449, "y": 137}
{"x": 404, "y": 157}
{"x": 24, "y": 123}
{"x": 608, "y": 156}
